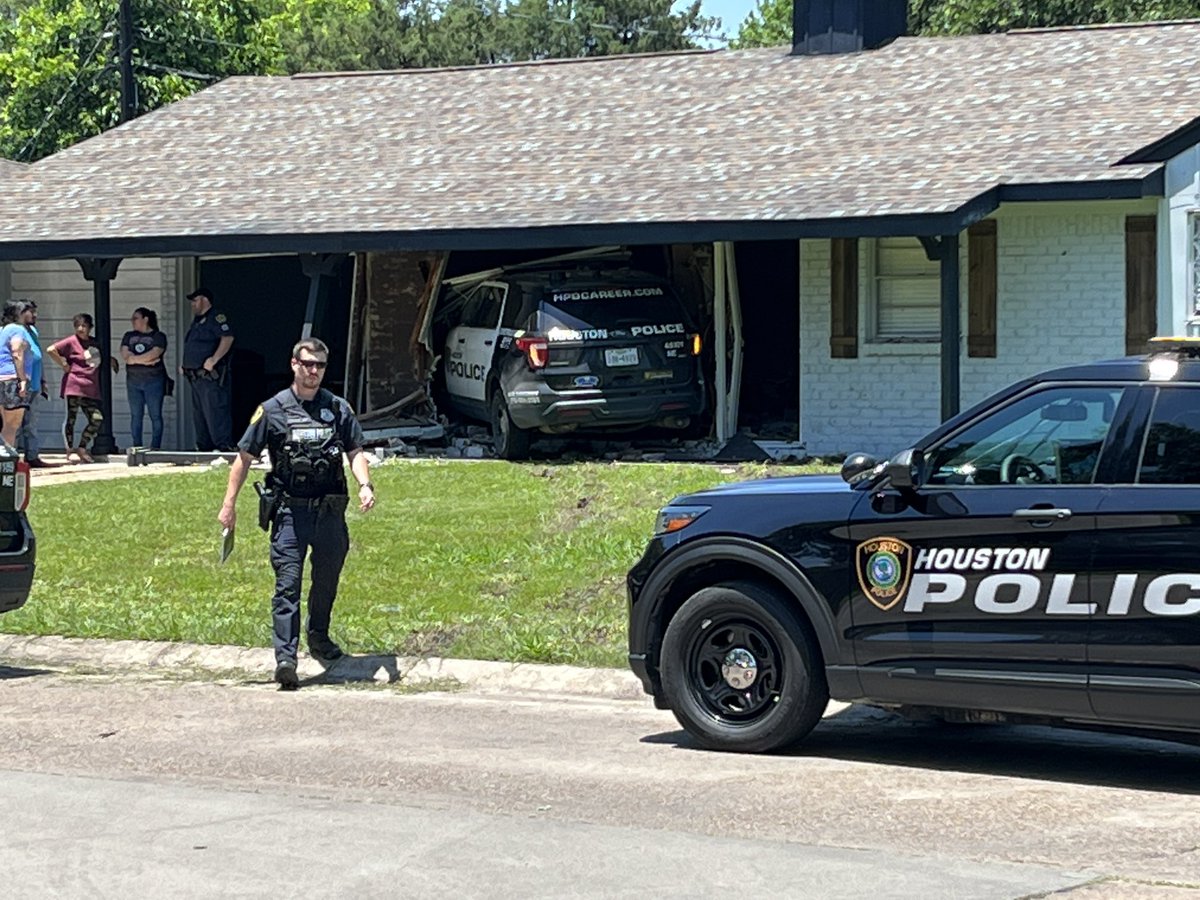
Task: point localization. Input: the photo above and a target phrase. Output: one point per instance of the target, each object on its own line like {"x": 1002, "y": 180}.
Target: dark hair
{"x": 149, "y": 315}
{"x": 83, "y": 319}
{"x": 312, "y": 345}
{"x": 14, "y": 309}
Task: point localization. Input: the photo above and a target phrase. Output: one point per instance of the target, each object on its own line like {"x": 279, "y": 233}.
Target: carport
{"x": 699, "y": 148}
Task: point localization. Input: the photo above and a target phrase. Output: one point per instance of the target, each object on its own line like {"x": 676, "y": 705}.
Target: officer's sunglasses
{"x": 312, "y": 363}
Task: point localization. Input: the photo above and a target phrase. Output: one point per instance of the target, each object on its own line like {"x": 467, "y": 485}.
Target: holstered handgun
{"x": 268, "y": 503}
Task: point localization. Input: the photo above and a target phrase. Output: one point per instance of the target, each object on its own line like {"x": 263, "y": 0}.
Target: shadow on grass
{"x": 10, "y": 672}
{"x": 1069, "y": 755}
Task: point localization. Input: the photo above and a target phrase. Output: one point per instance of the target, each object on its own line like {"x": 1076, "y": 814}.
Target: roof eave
{"x": 566, "y": 235}
{"x": 1167, "y": 147}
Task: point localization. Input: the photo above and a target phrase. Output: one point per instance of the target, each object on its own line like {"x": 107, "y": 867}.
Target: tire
{"x": 509, "y": 441}
{"x": 788, "y": 693}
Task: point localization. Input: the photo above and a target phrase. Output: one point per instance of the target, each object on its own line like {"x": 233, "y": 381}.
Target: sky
{"x": 732, "y": 13}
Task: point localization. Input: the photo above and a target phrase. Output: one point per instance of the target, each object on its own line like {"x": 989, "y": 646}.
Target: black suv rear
{"x": 17, "y": 546}
{"x": 557, "y": 350}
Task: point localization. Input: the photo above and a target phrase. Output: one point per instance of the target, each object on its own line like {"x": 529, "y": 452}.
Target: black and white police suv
{"x": 17, "y": 546}
{"x": 1035, "y": 558}
{"x": 563, "y": 349}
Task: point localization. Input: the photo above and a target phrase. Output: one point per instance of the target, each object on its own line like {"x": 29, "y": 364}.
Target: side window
{"x": 1172, "y": 450}
{"x": 483, "y": 309}
{"x": 512, "y": 308}
{"x": 1051, "y": 437}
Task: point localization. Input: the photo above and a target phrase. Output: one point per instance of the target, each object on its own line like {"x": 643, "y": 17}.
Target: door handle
{"x": 1043, "y": 517}
{"x": 462, "y": 340}
{"x": 487, "y": 343}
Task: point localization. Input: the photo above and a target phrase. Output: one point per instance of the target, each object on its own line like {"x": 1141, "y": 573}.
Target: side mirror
{"x": 856, "y": 466}
{"x": 905, "y": 468}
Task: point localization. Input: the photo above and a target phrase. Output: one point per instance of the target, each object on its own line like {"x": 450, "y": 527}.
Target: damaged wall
{"x": 395, "y": 285}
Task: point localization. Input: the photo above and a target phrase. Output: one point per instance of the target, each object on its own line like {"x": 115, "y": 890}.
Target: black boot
{"x": 285, "y": 675}
{"x": 321, "y": 647}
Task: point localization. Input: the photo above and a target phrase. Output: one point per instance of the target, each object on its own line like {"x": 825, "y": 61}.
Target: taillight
{"x": 697, "y": 344}
{"x": 536, "y": 350}
{"x": 21, "y": 486}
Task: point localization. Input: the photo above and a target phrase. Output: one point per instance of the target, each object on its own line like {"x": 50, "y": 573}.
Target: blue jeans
{"x": 27, "y": 437}
{"x": 147, "y": 397}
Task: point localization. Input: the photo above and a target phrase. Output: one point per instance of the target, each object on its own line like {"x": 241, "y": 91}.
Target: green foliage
{"x": 59, "y": 79}
{"x": 981, "y": 16}
{"x": 771, "y": 22}
{"x": 487, "y": 560}
{"x": 60, "y": 82}
{"x": 769, "y": 25}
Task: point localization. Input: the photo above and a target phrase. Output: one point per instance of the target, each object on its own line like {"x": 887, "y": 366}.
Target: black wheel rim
{"x": 709, "y": 651}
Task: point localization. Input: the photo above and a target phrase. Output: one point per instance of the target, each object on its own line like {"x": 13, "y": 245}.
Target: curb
{"x": 259, "y": 663}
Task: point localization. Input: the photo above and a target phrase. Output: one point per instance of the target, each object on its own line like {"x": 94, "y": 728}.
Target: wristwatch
{"x": 367, "y": 484}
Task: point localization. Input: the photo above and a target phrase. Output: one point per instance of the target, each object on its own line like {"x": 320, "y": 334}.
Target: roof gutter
{"x": 588, "y": 235}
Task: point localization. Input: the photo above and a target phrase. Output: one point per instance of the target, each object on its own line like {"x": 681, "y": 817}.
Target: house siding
{"x": 60, "y": 291}
{"x": 1061, "y": 299}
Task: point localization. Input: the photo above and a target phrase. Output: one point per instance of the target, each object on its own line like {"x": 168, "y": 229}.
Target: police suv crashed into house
{"x": 556, "y": 348}
{"x": 1035, "y": 558}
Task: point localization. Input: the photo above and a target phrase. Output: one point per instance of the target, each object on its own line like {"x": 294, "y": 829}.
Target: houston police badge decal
{"x": 884, "y": 567}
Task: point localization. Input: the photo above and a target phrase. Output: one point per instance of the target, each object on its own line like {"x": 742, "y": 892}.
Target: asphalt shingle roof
{"x": 922, "y": 126}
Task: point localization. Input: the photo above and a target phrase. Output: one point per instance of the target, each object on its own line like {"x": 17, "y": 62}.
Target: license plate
{"x": 623, "y": 356}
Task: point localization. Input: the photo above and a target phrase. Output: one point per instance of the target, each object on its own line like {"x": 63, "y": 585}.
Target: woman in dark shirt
{"x": 143, "y": 349}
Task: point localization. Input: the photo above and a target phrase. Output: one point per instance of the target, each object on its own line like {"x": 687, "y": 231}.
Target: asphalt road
{"x": 136, "y": 786}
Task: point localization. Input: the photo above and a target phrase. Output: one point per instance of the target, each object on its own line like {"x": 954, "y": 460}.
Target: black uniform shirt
{"x": 321, "y": 421}
{"x": 203, "y": 338}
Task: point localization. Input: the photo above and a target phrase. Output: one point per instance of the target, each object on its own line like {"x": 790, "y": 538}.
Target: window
{"x": 1051, "y": 437}
{"x": 1172, "y": 451}
{"x": 906, "y": 285}
{"x": 482, "y": 310}
{"x": 1194, "y": 230}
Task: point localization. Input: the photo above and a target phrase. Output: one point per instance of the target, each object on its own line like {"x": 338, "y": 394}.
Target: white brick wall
{"x": 1061, "y": 278}
{"x": 60, "y": 291}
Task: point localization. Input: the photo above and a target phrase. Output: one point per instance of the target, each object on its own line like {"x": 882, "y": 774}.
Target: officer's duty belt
{"x": 308, "y": 502}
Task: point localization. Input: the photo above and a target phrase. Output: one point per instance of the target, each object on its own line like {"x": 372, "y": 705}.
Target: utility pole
{"x": 125, "y": 60}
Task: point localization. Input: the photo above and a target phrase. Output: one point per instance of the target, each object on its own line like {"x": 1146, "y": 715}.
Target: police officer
{"x": 305, "y": 429}
{"x": 206, "y": 367}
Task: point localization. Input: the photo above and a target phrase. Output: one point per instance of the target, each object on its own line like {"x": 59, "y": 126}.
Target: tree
{"x": 770, "y": 24}
{"x": 60, "y": 79}
{"x": 552, "y": 29}
{"x": 982, "y": 16}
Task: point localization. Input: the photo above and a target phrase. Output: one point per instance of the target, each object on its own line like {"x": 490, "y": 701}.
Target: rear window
{"x": 618, "y": 309}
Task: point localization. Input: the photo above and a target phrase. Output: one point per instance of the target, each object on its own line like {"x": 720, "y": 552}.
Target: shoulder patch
{"x": 220, "y": 317}
{"x": 258, "y": 414}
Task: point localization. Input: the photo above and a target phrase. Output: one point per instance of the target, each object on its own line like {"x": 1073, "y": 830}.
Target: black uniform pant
{"x": 301, "y": 526}
{"x": 211, "y": 414}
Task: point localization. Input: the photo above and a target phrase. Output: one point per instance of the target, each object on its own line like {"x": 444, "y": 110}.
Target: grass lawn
{"x": 488, "y": 560}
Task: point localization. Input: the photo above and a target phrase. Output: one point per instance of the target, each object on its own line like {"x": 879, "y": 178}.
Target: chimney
{"x": 846, "y": 26}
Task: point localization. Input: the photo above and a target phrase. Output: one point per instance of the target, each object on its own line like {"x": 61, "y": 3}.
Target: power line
{"x": 182, "y": 73}
{"x": 105, "y": 33}
{"x": 194, "y": 38}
